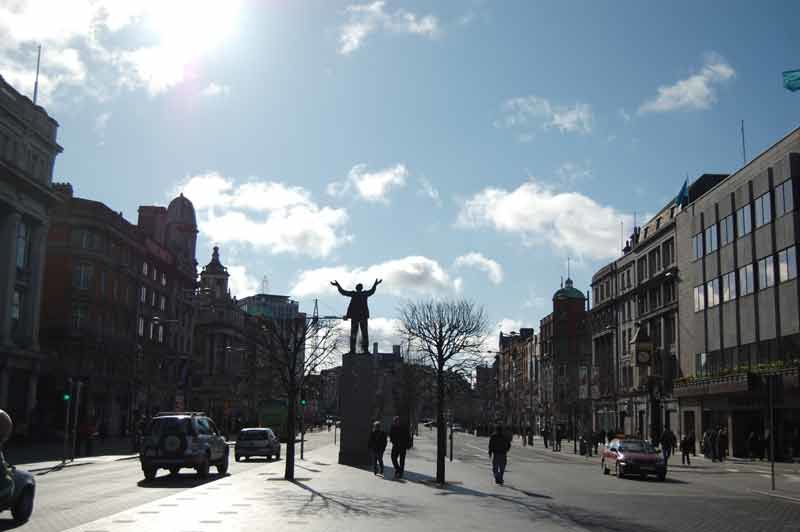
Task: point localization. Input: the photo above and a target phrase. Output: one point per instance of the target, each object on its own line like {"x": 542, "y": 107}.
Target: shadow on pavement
{"x": 9, "y": 524}
{"x": 181, "y": 481}
{"x": 315, "y": 502}
{"x": 45, "y": 470}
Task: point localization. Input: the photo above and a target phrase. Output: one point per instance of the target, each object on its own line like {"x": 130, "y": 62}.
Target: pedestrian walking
{"x": 499, "y": 446}
{"x": 685, "y": 450}
{"x": 377, "y": 446}
{"x": 667, "y": 443}
{"x": 751, "y": 444}
{"x": 400, "y": 437}
{"x": 722, "y": 443}
{"x": 712, "y": 441}
{"x": 692, "y": 443}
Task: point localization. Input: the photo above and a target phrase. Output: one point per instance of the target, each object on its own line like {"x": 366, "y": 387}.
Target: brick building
{"x": 118, "y": 316}
{"x": 28, "y": 149}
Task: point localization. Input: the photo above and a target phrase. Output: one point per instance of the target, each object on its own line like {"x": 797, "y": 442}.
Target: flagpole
{"x": 36, "y": 83}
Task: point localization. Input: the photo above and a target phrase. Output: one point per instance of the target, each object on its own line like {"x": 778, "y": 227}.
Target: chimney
{"x": 375, "y": 348}
{"x": 63, "y": 189}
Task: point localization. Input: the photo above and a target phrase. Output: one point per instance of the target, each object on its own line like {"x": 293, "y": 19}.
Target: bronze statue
{"x": 358, "y": 312}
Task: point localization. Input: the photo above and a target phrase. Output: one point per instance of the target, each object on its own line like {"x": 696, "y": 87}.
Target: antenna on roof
{"x": 568, "y": 271}
{"x": 36, "y": 82}
{"x": 264, "y": 285}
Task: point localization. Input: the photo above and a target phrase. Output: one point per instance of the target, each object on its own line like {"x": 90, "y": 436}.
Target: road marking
{"x": 777, "y": 495}
{"x": 732, "y": 470}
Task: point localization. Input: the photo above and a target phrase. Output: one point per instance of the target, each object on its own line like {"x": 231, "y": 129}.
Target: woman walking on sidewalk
{"x": 377, "y": 446}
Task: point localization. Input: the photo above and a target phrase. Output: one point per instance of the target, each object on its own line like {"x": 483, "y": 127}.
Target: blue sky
{"x": 451, "y": 148}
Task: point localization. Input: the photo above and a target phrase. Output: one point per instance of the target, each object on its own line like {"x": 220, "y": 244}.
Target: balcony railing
{"x": 739, "y": 379}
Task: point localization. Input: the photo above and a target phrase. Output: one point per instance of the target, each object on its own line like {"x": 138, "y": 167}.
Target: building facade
{"x": 28, "y": 149}
{"x": 739, "y": 298}
{"x": 117, "y": 318}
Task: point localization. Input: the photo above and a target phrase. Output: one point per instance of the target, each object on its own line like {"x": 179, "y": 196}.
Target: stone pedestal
{"x": 356, "y": 407}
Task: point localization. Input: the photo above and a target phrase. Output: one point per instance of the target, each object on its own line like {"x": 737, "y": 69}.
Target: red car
{"x": 633, "y": 457}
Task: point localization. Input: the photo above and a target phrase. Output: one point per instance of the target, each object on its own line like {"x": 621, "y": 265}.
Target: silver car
{"x": 257, "y": 442}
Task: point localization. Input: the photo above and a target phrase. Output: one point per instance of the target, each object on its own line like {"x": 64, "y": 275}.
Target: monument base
{"x": 356, "y": 408}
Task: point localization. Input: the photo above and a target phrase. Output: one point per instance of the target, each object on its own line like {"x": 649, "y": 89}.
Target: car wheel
{"x": 174, "y": 470}
{"x": 24, "y": 508}
{"x": 149, "y": 472}
{"x": 606, "y": 471}
{"x": 618, "y": 470}
{"x": 222, "y": 466}
{"x": 202, "y": 469}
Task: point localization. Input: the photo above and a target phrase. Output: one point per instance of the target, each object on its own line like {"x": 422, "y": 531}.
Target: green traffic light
{"x": 303, "y": 402}
{"x": 66, "y": 397}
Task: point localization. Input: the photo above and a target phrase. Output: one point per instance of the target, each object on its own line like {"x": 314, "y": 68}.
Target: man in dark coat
{"x": 377, "y": 446}
{"x": 400, "y": 438}
{"x": 499, "y": 446}
{"x": 358, "y": 312}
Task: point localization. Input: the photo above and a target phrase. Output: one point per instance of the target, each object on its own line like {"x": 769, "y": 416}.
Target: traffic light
{"x": 303, "y": 398}
{"x": 67, "y": 397}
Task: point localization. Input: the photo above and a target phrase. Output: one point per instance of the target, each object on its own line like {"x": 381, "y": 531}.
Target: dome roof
{"x": 568, "y": 291}
{"x": 181, "y": 210}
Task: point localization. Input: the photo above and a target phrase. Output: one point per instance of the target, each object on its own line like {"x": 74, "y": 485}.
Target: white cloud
{"x": 570, "y": 173}
{"x": 384, "y": 331}
{"x": 266, "y": 214}
{"x": 370, "y": 186}
{"x": 401, "y": 277}
{"x": 428, "y": 190}
{"x": 695, "y": 92}
{"x": 567, "y": 221}
{"x": 366, "y": 19}
{"x": 215, "y": 89}
{"x": 99, "y": 46}
{"x": 526, "y": 111}
{"x": 485, "y": 264}
{"x": 241, "y": 283}
{"x": 508, "y": 325}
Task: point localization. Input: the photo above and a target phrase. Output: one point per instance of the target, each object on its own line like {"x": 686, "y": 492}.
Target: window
{"x": 697, "y": 246}
{"x": 140, "y": 326}
{"x": 642, "y": 264}
{"x": 743, "y": 223}
{"x": 82, "y": 278}
{"x": 143, "y": 295}
{"x": 668, "y": 250}
{"x": 763, "y": 211}
{"x": 87, "y": 239}
{"x": 699, "y": 298}
{"x": 655, "y": 298}
{"x": 711, "y": 238}
{"x": 629, "y": 277}
{"x": 712, "y": 293}
{"x": 152, "y": 330}
{"x": 79, "y": 314}
{"x": 155, "y": 274}
{"x": 729, "y": 286}
{"x": 726, "y": 230}
{"x": 22, "y": 245}
{"x": 669, "y": 292}
{"x": 152, "y": 298}
{"x": 16, "y": 306}
{"x": 700, "y": 364}
{"x": 787, "y": 264}
{"x": 163, "y": 279}
{"x": 784, "y": 201}
{"x": 160, "y": 334}
{"x": 766, "y": 273}
{"x": 144, "y": 268}
{"x": 746, "y": 284}
{"x": 163, "y": 304}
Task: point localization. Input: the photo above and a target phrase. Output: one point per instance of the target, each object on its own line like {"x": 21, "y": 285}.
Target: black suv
{"x": 174, "y": 440}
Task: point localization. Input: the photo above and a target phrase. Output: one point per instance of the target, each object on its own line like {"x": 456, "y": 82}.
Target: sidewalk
{"x": 47, "y": 455}
{"x": 327, "y": 496}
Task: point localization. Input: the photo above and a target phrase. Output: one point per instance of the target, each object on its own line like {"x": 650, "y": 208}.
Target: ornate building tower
{"x": 214, "y": 277}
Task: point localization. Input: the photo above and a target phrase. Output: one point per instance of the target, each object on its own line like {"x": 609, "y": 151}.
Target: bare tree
{"x": 451, "y": 334}
{"x": 295, "y": 348}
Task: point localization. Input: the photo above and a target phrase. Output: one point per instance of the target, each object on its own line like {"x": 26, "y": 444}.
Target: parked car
{"x": 631, "y": 457}
{"x": 457, "y": 428}
{"x": 257, "y": 442}
{"x": 175, "y": 440}
{"x": 21, "y": 502}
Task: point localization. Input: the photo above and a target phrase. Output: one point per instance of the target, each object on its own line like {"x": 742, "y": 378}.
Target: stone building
{"x": 118, "y": 316}
{"x": 28, "y": 149}
{"x": 739, "y": 301}
{"x": 515, "y": 382}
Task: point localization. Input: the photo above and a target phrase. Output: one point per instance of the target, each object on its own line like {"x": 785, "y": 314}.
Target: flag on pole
{"x": 683, "y": 196}
{"x": 791, "y": 80}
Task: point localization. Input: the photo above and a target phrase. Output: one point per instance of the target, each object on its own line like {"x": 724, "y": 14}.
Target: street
{"x": 553, "y": 491}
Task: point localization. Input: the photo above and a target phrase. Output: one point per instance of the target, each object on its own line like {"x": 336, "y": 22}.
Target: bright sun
{"x": 191, "y": 27}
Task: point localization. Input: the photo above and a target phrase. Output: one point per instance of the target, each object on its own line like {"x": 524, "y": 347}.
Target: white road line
{"x": 777, "y": 495}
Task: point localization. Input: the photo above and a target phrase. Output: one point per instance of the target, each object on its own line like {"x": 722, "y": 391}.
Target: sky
{"x": 463, "y": 149}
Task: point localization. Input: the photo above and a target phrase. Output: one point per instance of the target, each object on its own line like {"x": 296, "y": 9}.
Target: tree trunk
{"x": 290, "y": 434}
{"x": 441, "y": 429}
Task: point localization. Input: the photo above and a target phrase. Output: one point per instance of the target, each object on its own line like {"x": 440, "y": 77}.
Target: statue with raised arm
{"x": 358, "y": 312}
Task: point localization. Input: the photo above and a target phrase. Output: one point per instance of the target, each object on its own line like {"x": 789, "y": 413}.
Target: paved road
{"x": 707, "y": 499}
{"x": 85, "y": 492}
